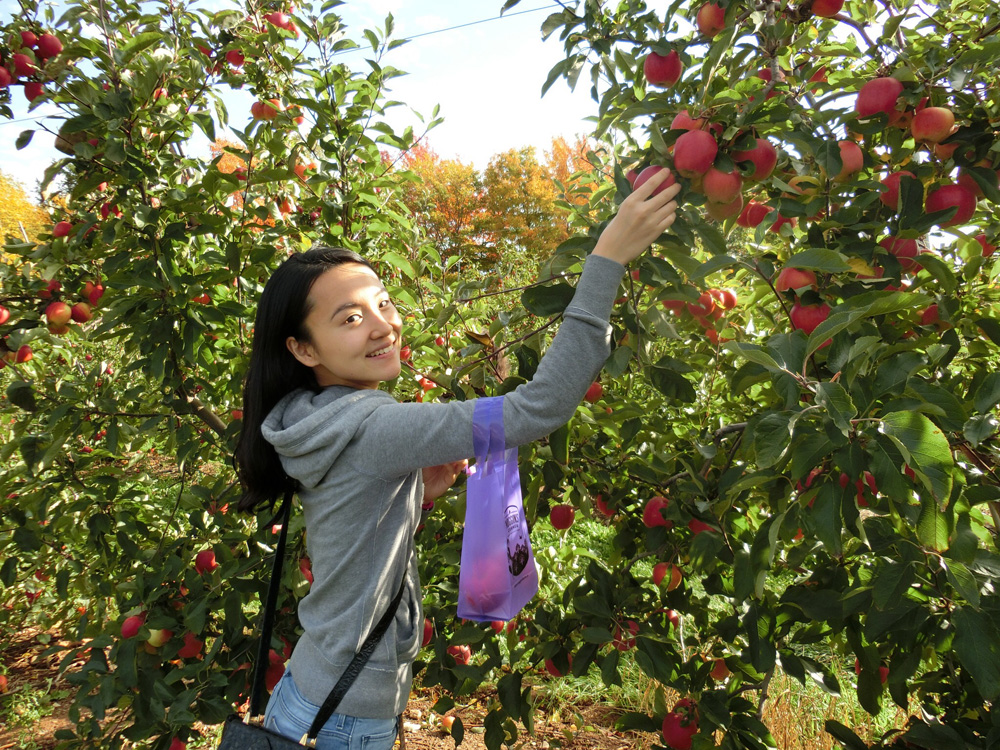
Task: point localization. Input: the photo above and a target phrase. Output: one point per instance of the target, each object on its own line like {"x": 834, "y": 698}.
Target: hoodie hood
{"x": 310, "y": 430}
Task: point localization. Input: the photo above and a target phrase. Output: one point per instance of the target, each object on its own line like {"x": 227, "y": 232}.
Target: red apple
{"x": 204, "y": 561}
{"x": 684, "y": 121}
{"x": 594, "y": 393}
{"x": 33, "y": 90}
{"x": 794, "y": 278}
{"x": 268, "y": 110}
{"x": 679, "y": 726}
{"x": 703, "y": 307}
{"x": 723, "y": 211}
{"x": 826, "y": 8}
{"x": 562, "y": 516}
{"x": 58, "y": 313}
{"x": 447, "y": 722}
{"x": 602, "y": 506}
{"x": 988, "y": 250}
{"x": 878, "y": 95}
{"x": 694, "y": 153}
{"x": 764, "y": 157}
{"x": 753, "y": 214}
{"x": 28, "y": 39}
{"x": 890, "y": 196}
{"x": 235, "y": 58}
{"x": 49, "y": 46}
{"x": 191, "y": 648}
{"x": 711, "y": 19}
{"x": 697, "y": 527}
{"x": 808, "y": 317}
{"x": 177, "y": 744}
{"x": 720, "y": 670}
{"x": 662, "y": 70}
{"x": 722, "y": 187}
{"x": 551, "y": 668}
{"x": 950, "y": 195}
{"x": 932, "y": 124}
{"x": 428, "y": 632}
{"x": 929, "y": 316}
{"x": 649, "y": 172}
{"x": 24, "y": 354}
{"x": 131, "y": 626}
{"x": 5, "y": 313}
{"x": 462, "y": 654}
{"x": 24, "y": 65}
{"x": 624, "y": 642}
{"x": 852, "y": 158}
{"x": 651, "y": 515}
{"x": 62, "y": 229}
{"x": 159, "y": 636}
{"x": 5, "y": 77}
{"x": 904, "y": 250}
{"x": 305, "y": 567}
{"x": 80, "y": 312}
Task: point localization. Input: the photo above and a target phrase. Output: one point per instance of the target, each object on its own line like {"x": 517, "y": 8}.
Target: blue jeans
{"x": 291, "y": 715}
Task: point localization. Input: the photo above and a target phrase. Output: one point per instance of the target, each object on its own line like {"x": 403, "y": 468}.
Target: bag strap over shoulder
{"x": 258, "y": 690}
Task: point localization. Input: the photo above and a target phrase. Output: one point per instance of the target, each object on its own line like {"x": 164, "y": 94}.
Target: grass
{"x": 24, "y": 707}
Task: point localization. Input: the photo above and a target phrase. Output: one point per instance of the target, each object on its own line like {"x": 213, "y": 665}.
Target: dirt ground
{"x": 33, "y": 727}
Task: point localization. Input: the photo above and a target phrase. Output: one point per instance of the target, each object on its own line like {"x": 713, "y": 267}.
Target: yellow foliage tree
{"x": 20, "y": 218}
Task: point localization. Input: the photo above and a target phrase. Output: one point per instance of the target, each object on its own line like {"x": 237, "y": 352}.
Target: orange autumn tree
{"x": 570, "y": 166}
{"x": 500, "y": 220}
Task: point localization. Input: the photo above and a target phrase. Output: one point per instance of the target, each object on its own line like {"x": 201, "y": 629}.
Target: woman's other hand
{"x": 437, "y": 479}
{"x": 641, "y": 218}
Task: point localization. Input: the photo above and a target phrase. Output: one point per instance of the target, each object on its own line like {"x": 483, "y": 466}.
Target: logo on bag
{"x": 518, "y": 551}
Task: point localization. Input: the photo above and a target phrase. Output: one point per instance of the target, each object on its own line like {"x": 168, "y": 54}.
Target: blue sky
{"x": 486, "y": 76}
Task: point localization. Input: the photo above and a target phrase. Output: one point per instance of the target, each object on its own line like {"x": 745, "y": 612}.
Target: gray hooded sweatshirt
{"x": 358, "y": 454}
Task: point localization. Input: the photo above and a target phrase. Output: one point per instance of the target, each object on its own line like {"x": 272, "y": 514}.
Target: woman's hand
{"x": 641, "y": 218}
{"x": 437, "y": 479}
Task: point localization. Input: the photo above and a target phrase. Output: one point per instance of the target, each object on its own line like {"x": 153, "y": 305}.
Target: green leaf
{"x": 137, "y": 44}
{"x": 8, "y": 572}
{"x": 991, "y": 328}
{"x": 933, "y": 527}
{"x": 838, "y": 404}
{"x": 891, "y": 583}
{"x": 977, "y": 645}
{"x": 988, "y": 393}
{"x": 671, "y": 383}
{"x": 978, "y": 428}
{"x": 22, "y": 395}
{"x": 819, "y": 259}
{"x": 771, "y": 436}
{"x": 509, "y": 690}
{"x": 844, "y": 736}
{"x": 753, "y": 353}
{"x": 23, "y": 139}
{"x": 545, "y": 301}
{"x": 927, "y": 446}
{"x": 964, "y": 582}
{"x": 713, "y": 265}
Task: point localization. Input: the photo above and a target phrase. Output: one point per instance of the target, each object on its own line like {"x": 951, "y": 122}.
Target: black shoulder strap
{"x": 357, "y": 664}
{"x": 258, "y": 691}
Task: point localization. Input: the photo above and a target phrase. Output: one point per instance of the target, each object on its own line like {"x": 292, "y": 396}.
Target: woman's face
{"x": 353, "y": 329}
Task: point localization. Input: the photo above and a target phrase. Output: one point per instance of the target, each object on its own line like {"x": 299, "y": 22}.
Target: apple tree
{"x": 800, "y": 409}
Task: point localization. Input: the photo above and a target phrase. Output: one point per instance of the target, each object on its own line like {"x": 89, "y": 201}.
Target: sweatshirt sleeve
{"x": 410, "y": 436}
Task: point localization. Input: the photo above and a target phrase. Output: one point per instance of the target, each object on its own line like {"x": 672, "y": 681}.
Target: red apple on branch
{"x": 878, "y": 95}
{"x": 932, "y": 124}
{"x": 763, "y": 156}
{"x": 952, "y": 195}
{"x": 662, "y": 70}
{"x": 711, "y": 19}
{"x": 651, "y": 515}
{"x": 649, "y": 172}
{"x": 562, "y": 516}
{"x": 807, "y": 317}
{"x": 694, "y": 153}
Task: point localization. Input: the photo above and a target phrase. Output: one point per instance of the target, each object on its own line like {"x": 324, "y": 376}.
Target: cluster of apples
{"x": 711, "y": 306}
{"x": 26, "y": 65}
{"x": 58, "y": 313}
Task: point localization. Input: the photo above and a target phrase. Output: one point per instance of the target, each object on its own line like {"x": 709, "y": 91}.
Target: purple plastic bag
{"x": 498, "y": 574}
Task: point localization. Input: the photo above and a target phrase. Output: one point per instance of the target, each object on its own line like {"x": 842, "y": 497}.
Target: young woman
{"x": 326, "y": 335}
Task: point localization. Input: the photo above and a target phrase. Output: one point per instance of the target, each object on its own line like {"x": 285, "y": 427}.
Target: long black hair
{"x": 274, "y": 372}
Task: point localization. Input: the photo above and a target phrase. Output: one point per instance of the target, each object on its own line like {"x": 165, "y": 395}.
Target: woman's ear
{"x": 302, "y": 351}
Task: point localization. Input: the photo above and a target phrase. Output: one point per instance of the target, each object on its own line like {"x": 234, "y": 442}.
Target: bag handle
{"x": 488, "y": 439}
